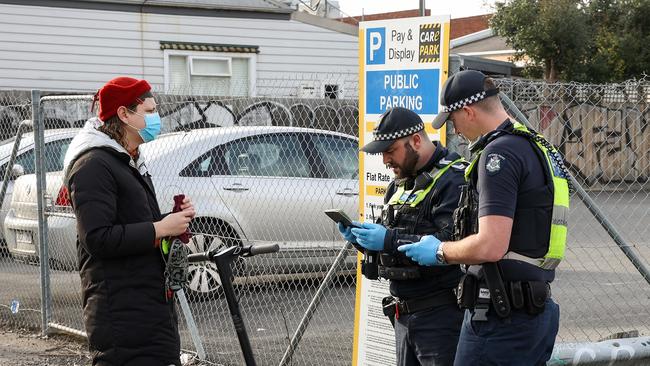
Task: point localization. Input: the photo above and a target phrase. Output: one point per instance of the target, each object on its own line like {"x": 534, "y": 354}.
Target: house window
{"x": 331, "y": 91}
{"x": 209, "y": 73}
{"x": 209, "y": 66}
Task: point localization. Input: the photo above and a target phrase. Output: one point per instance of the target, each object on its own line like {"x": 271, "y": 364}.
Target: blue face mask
{"x": 151, "y": 128}
{"x": 152, "y": 125}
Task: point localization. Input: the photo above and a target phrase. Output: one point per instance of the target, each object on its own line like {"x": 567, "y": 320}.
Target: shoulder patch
{"x": 493, "y": 163}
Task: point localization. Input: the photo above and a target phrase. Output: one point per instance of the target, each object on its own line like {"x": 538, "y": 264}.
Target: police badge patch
{"x": 494, "y": 163}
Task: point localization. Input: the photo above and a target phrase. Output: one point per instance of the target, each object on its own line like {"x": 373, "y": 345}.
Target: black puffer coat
{"x": 127, "y": 317}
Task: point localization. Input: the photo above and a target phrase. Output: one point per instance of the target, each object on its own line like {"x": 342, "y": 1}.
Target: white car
{"x": 21, "y": 223}
{"x": 248, "y": 185}
{"x": 56, "y": 144}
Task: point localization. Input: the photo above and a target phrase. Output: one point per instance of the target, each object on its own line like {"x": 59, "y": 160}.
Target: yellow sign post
{"x": 402, "y": 63}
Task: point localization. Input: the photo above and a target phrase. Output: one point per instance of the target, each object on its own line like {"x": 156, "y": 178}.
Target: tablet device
{"x": 337, "y": 215}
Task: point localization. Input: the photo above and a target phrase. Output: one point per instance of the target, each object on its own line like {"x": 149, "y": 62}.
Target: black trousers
{"x": 428, "y": 337}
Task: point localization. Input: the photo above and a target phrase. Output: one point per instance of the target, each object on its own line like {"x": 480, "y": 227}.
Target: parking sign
{"x": 375, "y": 54}
{"x": 403, "y": 63}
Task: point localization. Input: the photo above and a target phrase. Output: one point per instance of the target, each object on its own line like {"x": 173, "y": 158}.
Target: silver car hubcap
{"x": 204, "y": 277}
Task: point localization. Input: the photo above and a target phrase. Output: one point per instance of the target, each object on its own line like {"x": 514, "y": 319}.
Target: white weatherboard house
{"x": 235, "y": 47}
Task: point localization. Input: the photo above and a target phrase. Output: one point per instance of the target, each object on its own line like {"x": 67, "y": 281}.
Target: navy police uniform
{"x": 426, "y": 336}
{"x": 423, "y": 306}
{"x": 510, "y": 318}
{"x": 510, "y": 181}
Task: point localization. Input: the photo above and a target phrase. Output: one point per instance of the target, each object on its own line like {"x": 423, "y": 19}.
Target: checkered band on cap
{"x": 467, "y": 101}
{"x": 397, "y": 134}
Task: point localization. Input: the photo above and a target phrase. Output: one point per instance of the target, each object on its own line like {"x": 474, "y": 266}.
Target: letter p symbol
{"x": 375, "y": 46}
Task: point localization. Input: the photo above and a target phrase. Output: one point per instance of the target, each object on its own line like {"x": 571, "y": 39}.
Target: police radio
{"x": 370, "y": 260}
{"x": 465, "y": 216}
{"x": 370, "y": 265}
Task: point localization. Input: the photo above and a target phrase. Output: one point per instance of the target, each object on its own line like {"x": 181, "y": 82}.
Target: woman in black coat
{"x": 129, "y": 315}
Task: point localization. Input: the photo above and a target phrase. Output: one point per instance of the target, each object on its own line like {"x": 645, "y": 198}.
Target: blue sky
{"x": 455, "y": 8}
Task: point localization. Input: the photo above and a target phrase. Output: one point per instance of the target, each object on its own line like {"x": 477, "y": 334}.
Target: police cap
{"x": 394, "y": 124}
{"x": 462, "y": 89}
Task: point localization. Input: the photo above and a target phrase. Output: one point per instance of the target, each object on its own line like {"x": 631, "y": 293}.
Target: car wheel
{"x": 209, "y": 234}
{"x": 4, "y": 250}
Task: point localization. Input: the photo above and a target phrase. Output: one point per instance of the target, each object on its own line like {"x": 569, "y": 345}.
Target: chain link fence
{"x": 259, "y": 170}
{"x": 20, "y": 301}
{"x": 262, "y": 169}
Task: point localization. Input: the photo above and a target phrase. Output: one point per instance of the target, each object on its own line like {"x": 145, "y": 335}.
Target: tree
{"x": 622, "y": 33}
{"x": 580, "y": 40}
{"x": 552, "y": 34}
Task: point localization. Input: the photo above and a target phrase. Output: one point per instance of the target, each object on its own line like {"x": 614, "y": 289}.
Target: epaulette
{"x": 460, "y": 165}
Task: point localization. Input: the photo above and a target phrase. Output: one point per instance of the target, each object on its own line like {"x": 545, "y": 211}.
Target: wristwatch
{"x": 440, "y": 254}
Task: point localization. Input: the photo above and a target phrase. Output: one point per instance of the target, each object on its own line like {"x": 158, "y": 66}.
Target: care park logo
{"x": 429, "y": 42}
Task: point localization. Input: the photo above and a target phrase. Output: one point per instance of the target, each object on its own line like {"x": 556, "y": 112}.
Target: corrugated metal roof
{"x": 243, "y": 5}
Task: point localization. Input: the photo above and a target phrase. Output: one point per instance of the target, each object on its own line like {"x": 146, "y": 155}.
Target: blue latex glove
{"x": 347, "y": 234}
{"x": 370, "y": 236}
{"x": 423, "y": 252}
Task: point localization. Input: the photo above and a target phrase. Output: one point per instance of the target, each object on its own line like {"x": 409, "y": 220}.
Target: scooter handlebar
{"x": 247, "y": 251}
{"x": 264, "y": 249}
{"x": 199, "y": 257}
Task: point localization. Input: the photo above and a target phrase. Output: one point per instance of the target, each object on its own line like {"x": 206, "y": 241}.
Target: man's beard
{"x": 407, "y": 168}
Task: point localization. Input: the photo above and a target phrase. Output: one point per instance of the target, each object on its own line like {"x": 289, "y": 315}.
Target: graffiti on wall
{"x": 183, "y": 113}
{"x": 601, "y": 144}
{"x": 325, "y": 114}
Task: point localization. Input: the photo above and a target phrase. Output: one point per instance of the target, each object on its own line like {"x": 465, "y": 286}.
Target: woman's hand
{"x": 187, "y": 205}
{"x": 175, "y": 223}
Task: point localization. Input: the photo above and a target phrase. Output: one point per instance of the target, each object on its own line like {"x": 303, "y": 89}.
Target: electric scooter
{"x": 222, "y": 259}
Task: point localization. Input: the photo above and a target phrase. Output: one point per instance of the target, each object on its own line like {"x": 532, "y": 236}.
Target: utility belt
{"x": 399, "y": 273}
{"x": 483, "y": 290}
{"x": 394, "y": 267}
{"x": 393, "y": 307}
{"x": 407, "y": 272}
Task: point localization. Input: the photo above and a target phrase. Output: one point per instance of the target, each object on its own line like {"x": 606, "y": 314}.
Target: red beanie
{"x": 121, "y": 91}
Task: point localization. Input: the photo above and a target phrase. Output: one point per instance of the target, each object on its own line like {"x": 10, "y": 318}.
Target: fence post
{"x": 41, "y": 190}
{"x": 591, "y": 205}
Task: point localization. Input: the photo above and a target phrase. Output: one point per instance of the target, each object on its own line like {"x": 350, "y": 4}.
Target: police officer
{"x": 419, "y": 201}
{"x": 511, "y": 237}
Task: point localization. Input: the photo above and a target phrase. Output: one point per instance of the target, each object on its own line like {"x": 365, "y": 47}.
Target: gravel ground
{"x": 25, "y": 348}
{"x": 22, "y": 347}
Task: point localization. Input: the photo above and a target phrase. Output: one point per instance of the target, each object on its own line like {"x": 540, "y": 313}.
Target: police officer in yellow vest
{"x": 510, "y": 230}
{"x": 419, "y": 201}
